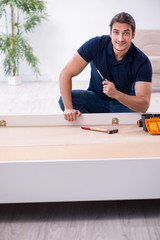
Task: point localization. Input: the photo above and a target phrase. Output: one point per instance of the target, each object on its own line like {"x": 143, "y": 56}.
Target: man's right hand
{"x": 71, "y": 114}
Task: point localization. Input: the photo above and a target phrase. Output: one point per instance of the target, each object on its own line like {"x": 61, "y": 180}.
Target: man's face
{"x": 121, "y": 35}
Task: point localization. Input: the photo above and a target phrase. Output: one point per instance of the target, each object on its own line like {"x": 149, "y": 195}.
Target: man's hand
{"x": 71, "y": 114}
{"x": 109, "y": 89}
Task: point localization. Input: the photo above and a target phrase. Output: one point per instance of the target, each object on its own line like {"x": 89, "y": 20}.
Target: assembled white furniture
{"x": 46, "y": 159}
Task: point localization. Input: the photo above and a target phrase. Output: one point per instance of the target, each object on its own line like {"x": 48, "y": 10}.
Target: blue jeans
{"x": 89, "y": 102}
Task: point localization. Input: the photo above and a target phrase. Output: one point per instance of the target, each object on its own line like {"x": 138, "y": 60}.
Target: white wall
{"x": 71, "y": 23}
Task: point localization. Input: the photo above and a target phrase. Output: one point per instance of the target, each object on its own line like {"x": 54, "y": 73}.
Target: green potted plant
{"x": 20, "y": 17}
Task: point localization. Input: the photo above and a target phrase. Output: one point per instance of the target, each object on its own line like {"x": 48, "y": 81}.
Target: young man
{"x": 121, "y": 74}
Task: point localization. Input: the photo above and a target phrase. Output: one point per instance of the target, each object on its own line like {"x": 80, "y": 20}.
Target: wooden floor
{"x": 110, "y": 220}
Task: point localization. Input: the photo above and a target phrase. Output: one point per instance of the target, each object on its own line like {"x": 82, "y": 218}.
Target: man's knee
{"x": 61, "y": 103}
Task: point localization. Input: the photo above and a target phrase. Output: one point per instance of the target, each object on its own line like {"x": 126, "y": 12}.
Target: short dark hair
{"x": 123, "y": 17}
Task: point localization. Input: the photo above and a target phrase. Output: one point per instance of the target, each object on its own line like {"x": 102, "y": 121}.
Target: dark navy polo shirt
{"x": 135, "y": 66}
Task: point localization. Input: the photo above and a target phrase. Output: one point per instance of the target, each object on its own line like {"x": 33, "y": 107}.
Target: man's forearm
{"x": 136, "y": 103}
{"x": 67, "y": 99}
{"x": 65, "y": 89}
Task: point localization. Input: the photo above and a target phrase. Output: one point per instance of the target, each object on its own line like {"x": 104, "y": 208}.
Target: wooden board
{"x": 72, "y": 142}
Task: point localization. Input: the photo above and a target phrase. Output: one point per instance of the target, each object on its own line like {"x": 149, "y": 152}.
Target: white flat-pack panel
{"x": 79, "y": 180}
{"x": 58, "y": 119}
{"x": 64, "y": 171}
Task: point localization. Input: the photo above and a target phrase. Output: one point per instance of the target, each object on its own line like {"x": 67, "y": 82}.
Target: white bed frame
{"x": 78, "y": 180}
